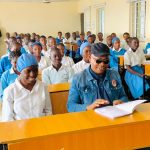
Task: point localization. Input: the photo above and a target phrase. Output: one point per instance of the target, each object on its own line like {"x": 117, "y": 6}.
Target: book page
{"x": 111, "y": 112}
{"x": 129, "y": 106}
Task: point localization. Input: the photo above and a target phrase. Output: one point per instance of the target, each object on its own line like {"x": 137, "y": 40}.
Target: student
{"x": 59, "y": 39}
{"x": 96, "y": 86}
{"x": 109, "y": 41}
{"x": 9, "y": 76}
{"x": 88, "y": 33}
{"x": 90, "y": 39}
{"x": 5, "y": 63}
{"x": 77, "y": 34}
{"x": 85, "y": 52}
{"x": 124, "y": 43}
{"x": 67, "y": 61}
{"x": 43, "y": 62}
{"x": 100, "y": 37}
{"x": 113, "y": 35}
{"x": 43, "y": 43}
{"x": 37, "y": 38}
{"x": 147, "y": 49}
{"x": 56, "y": 73}
{"x": 27, "y": 97}
{"x": 79, "y": 43}
{"x": 81, "y": 40}
{"x": 115, "y": 52}
{"x": 74, "y": 38}
{"x": 133, "y": 59}
{"x": 51, "y": 43}
{"x": 94, "y": 38}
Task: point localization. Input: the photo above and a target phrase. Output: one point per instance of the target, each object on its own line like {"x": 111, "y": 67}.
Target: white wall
{"x": 40, "y": 18}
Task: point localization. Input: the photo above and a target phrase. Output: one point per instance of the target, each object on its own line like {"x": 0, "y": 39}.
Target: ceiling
{"x": 36, "y": 0}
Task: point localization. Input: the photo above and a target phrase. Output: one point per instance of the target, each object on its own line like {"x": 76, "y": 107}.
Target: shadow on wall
{"x": 2, "y": 43}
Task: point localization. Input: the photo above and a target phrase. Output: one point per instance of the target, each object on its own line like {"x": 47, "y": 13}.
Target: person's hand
{"x": 116, "y": 102}
{"x": 97, "y": 103}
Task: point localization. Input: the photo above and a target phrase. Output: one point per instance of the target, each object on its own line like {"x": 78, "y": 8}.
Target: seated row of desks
{"x": 77, "y": 131}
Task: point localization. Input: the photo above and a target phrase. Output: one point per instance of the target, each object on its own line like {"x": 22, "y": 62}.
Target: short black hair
{"x": 42, "y": 36}
{"x": 61, "y": 44}
{"x": 14, "y": 54}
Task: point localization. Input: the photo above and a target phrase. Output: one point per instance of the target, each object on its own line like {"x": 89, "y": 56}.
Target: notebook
{"x": 119, "y": 110}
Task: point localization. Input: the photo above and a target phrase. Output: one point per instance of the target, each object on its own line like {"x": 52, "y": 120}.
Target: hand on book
{"x": 97, "y": 103}
{"x": 116, "y": 102}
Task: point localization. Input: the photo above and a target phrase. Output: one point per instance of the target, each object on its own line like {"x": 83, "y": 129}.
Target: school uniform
{"x": 67, "y": 47}
{"x": 8, "y": 77}
{"x": 44, "y": 63}
{"x": 51, "y": 76}
{"x": 114, "y": 54}
{"x": 5, "y": 64}
{"x": 124, "y": 45}
{"x": 67, "y": 61}
{"x": 20, "y": 103}
{"x": 58, "y": 40}
{"x": 134, "y": 82}
{"x": 147, "y": 49}
{"x": 80, "y": 66}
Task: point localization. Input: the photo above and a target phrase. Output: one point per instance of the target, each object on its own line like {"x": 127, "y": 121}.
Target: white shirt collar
{"x": 12, "y": 71}
{"x": 116, "y": 50}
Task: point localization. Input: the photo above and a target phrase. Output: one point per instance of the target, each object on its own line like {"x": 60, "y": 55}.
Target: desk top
{"x": 66, "y": 123}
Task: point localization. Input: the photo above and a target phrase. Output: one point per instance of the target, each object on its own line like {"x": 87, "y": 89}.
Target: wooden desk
{"x": 59, "y": 97}
{"x": 147, "y": 68}
{"x": 79, "y": 131}
{"x": 147, "y": 57}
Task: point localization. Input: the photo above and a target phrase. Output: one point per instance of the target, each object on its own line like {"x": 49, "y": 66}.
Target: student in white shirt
{"x": 43, "y": 42}
{"x": 27, "y": 97}
{"x": 85, "y": 52}
{"x": 51, "y": 43}
{"x": 56, "y": 73}
{"x": 133, "y": 59}
{"x": 43, "y": 62}
{"x": 67, "y": 41}
{"x": 74, "y": 38}
{"x": 66, "y": 60}
{"x": 124, "y": 43}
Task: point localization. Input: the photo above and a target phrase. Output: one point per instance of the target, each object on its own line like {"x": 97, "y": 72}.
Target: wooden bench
{"x": 59, "y": 97}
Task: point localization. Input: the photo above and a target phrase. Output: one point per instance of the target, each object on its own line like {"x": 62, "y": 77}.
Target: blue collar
{"x": 90, "y": 77}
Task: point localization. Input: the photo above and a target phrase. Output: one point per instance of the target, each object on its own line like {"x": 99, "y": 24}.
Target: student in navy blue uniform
{"x": 5, "y": 63}
{"x": 96, "y": 86}
{"x": 82, "y": 40}
{"x": 147, "y": 49}
{"x": 115, "y": 52}
{"x": 133, "y": 60}
{"x": 9, "y": 76}
{"x": 59, "y": 39}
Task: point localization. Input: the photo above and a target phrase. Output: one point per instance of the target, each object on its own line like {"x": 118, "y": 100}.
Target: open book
{"x": 119, "y": 110}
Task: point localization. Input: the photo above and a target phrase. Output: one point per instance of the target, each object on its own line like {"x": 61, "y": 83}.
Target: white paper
{"x": 119, "y": 110}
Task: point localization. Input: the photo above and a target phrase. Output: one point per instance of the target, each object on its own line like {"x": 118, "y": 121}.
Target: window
{"x": 138, "y": 8}
{"x": 87, "y": 19}
{"x": 100, "y": 19}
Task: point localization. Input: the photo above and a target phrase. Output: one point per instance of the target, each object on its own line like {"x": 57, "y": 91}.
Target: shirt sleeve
{"x": 8, "y": 106}
{"x": 48, "y": 107}
{"x": 127, "y": 60}
{"x": 45, "y": 76}
{"x": 74, "y": 103}
{"x": 4, "y": 84}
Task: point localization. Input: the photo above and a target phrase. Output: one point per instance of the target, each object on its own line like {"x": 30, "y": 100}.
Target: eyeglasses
{"x": 98, "y": 61}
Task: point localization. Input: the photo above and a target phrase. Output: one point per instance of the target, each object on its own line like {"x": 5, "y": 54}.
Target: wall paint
{"x": 117, "y": 16}
{"x": 45, "y": 19}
